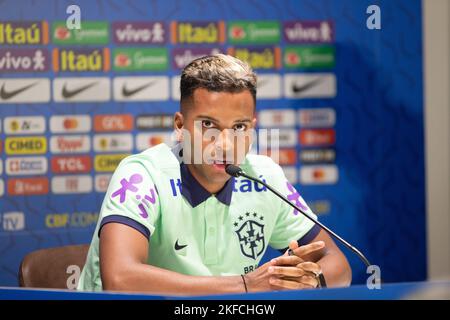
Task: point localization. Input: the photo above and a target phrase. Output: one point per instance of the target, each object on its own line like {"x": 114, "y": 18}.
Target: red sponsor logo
{"x": 62, "y": 33}
{"x": 27, "y": 186}
{"x": 70, "y": 144}
{"x": 237, "y": 32}
{"x": 122, "y": 60}
{"x": 70, "y": 123}
{"x": 286, "y": 157}
{"x": 119, "y": 122}
{"x": 292, "y": 58}
{"x": 81, "y": 164}
{"x": 317, "y": 137}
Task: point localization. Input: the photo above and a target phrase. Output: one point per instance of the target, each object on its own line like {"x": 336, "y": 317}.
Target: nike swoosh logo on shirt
{"x": 300, "y": 88}
{"x": 6, "y": 95}
{"x": 178, "y": 247}
{"x": 66, "y": 93}
{"x": 129, "y": 93}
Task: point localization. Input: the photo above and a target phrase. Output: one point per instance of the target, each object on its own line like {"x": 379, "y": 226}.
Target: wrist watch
{"x": 321, "y": 283}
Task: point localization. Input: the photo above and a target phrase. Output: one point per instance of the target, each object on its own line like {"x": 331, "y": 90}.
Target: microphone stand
{"x": 235, "y": 171}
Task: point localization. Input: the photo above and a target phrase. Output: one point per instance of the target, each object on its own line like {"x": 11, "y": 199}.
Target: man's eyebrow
{"x": 208, "y": 117}
{"x": 217, "y": 121}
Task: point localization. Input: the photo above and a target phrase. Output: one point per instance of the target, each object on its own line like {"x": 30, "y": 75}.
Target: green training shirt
{"x": 191, "y": 231}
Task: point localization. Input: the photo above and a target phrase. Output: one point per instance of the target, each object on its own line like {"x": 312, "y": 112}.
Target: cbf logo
{"x": 251, "y": 235}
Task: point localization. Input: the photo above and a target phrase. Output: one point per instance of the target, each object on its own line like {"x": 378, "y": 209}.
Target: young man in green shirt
{"x": 173, "y": 225}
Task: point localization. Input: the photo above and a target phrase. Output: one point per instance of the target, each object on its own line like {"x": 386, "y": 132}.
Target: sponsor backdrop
{"x": 347, "y": 100}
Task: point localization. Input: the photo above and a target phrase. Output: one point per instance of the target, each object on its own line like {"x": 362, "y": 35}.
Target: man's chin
{"x": 216, "y": 172}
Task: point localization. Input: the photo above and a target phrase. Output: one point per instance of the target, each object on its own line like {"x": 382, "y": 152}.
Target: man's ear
{"x": 178, "y": 123}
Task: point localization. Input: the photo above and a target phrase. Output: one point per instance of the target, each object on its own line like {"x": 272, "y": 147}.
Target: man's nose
{"x": 225, "y": 141}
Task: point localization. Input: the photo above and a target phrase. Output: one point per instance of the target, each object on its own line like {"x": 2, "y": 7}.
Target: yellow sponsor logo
{"x": 23, "y": 32}
{"x": 26, "y": 145}
{"x": 262, "y": 58}
{"x": 108, "y": 162}
{"x": 75, "y": 219}
{"x": 198, "y": 32}
{"x": 81, "y": 59}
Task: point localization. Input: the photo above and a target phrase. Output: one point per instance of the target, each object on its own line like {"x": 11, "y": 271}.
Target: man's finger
{"x": 310, "y": 266}
{"x": 287, "y": 284}
{"x": 307, "y": 280}
{"x": 309, "y": 248}
{"x": 286, "y": 261}
{"x": 287, "y": 271}
{"x": 292, "y": 245}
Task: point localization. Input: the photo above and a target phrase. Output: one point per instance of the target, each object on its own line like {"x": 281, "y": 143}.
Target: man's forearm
{"x": 336, "y": 270}
{"x": 154, "y": 280}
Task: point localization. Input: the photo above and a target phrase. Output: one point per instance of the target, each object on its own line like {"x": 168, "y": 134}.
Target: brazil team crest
{"x": 251, "y": 235}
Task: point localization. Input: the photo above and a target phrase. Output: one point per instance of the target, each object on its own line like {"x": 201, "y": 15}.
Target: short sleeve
{"x": 132, "y": 198}
{"x": 290, "y": 223}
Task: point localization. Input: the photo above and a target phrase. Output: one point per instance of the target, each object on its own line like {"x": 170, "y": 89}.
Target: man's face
{"x": 220, "y": 126}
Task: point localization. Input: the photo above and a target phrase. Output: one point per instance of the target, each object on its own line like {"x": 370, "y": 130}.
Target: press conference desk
{"x": 413, "y": 290}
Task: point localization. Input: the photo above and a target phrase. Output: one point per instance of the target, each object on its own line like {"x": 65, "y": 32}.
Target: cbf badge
{"x": 251, "y": 235}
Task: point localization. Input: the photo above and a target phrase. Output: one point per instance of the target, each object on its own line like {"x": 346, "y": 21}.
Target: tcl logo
{"x": 122, "y": 122}
{"x": 27, "y": 186}
{"x": 317, "y": 137}
{"x": 81, "y": 164}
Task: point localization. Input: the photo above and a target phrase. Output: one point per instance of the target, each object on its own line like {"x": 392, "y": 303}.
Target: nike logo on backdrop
{"x": 178, "y": 247}
{"x": 300, "y": 88}
{"x": 66, "y": 93}
{"x": 127, "y": 93}
{"x": 5, "y": 95}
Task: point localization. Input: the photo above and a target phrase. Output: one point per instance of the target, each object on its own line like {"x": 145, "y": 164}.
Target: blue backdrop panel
{"x": 378, "y": 201}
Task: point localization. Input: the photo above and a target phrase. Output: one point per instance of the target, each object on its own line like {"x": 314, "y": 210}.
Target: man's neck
{"x": 208, "y": 185}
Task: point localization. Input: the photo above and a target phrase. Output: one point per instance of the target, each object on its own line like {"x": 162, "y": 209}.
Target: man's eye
{"x": 240, "y": 127}
{"x": 207, "y": 124}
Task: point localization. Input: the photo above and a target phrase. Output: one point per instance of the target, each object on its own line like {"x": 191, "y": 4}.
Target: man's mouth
{"x": 221, "y": 164}
{"x": 224, "y": 162}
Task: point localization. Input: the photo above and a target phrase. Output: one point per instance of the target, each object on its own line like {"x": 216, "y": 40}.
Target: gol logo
{"x": 119, "y": 122}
